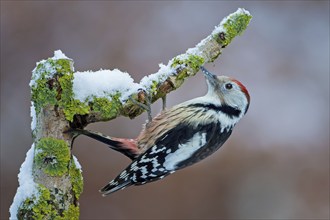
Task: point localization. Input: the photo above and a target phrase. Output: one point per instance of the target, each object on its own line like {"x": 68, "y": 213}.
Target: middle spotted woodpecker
{"x": 180, "y": 136}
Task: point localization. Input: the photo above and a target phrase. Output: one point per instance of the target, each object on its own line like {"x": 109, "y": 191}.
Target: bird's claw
{"x": 164, "y": 102}
{"x": 146, "y": 107}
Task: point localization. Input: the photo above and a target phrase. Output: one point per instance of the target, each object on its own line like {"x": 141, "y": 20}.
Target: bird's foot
{"x": 146, "y": 106}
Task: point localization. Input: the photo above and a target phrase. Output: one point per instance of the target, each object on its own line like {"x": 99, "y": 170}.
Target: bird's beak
{"x": 210, "y": 77}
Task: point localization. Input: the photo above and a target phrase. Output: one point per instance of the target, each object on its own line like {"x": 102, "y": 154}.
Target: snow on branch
{"x": 115, "y": 87}
{"x": 27, "y": 187}
{"x": 103, "y": 83}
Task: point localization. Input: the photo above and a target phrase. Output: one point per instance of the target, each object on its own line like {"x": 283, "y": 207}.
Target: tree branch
{"x": 50, "y": 178}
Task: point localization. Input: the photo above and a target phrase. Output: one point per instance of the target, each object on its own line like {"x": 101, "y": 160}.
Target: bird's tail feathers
{"x": 114, "y": 186}
{"x": 128, "y": 147}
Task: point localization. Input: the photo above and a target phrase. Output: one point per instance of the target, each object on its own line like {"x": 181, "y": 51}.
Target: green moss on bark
{"x": 52, "y": 85}
{"x": 52, "y": 156}
{"x": 193, "y": 62}
{"x": 233, "y": 26}
{"x": 44, "y": 207}
{"x": 70, "y": 105}
{"x": 107, "y": 107}
{"x": 43, "y": 91}
{"x": 76, "y": 179}
{"x": 38, "y": 207}
{"x": 71, "y": 214}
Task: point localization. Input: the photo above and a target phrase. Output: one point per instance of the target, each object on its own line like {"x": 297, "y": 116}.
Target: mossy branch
{"x": 56, "y": 177}
{"x": 181, "y": 67}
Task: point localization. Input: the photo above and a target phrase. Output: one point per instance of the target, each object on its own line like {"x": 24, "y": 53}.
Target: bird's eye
{"x": 229, "y": 86}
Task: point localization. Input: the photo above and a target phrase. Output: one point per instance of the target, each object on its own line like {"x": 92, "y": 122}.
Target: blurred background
{"x": 276, "y": 163}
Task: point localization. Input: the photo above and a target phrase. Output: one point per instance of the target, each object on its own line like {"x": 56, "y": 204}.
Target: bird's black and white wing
{"x": 179, "y": 147}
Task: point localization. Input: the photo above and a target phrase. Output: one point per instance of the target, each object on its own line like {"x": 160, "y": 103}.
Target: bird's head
{"x": 228, "y": 91}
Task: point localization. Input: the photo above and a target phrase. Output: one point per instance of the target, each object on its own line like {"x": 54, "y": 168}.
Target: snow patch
{"x": 76, "y": 162}
{"x": 58, "y": 54}
{"x": 103, "y": 83}
{"x": 159, "y": 77}
{"x": 33, "y": 116}
{"x": 27, "y": 187}
{"x": 196, "y": 50}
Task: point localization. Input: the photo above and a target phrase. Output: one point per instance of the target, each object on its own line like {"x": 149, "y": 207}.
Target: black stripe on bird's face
{"x": 231, "y": 112}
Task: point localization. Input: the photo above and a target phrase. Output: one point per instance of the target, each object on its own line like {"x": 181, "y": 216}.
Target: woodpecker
{"x": 179, "y": 136}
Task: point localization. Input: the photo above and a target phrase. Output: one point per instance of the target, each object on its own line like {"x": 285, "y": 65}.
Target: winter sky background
{"x": 276, "y": 163}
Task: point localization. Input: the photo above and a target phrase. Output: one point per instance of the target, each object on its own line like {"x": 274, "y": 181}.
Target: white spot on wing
{"x": 164, "y": 137}
{"x": 155, "y": 149}
{"x": 134, "y": 177}
{"x": 134, "y": 166}
{"x": 144, "y": 171}
{"x": 123, "y": 174}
